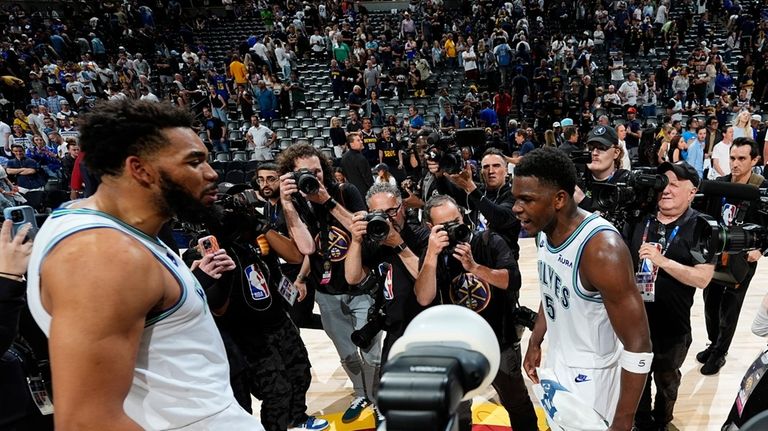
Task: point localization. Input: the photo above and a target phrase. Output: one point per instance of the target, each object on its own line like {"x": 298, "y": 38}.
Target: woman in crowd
{"x": 742, "y": 127}
{"x": 338, "y": 137}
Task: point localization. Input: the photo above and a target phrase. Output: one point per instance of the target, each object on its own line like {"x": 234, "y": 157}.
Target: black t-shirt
{"x": 332, "y": 239}
{"x": 214, "y": 125}
{"x": 456, "y": 286}
{"x": 390, "y": 149}
{"x": 670, "y": 314}
{"x": 401, "y": 305}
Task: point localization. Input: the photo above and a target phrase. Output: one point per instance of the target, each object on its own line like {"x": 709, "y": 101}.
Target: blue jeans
{"x": 220, "y": 145}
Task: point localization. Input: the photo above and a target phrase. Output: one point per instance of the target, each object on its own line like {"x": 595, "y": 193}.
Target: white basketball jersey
{"x": 181, "y": 376}
{"x": 579, "y": 332}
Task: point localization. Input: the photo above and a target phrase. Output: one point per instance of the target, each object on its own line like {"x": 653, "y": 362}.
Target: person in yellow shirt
{"x": 238, "y": 71}
{"x": 450, "y": 52}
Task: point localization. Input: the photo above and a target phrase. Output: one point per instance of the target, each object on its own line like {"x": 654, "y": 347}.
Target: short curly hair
{"x": 286, "y": 161}
{"x": 550, "y": 166}
{"x": 116, "y": 130}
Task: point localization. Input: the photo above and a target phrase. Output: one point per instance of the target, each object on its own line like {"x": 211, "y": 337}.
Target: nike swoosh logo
{"x": 581, "y": 378}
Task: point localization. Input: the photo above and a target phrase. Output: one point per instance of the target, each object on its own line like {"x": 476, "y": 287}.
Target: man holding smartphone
{"x": 133, "y": 343}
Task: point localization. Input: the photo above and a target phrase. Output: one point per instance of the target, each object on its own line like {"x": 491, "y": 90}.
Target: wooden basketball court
{"x": 703, "y": 401}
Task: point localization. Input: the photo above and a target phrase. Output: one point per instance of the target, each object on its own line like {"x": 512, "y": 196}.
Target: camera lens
{"x": 378, "y": 228}
{"x": 207, "y": 244}
{"x": 17, "y": 216}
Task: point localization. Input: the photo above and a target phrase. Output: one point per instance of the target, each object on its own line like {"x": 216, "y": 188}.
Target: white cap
{"x": 757, "y": 117}
{"x": 555, "y": 124}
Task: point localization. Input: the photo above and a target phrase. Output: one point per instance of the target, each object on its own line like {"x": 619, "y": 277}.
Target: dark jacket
{"x": 496, "y": 207}
{"x": 357, "y": 170}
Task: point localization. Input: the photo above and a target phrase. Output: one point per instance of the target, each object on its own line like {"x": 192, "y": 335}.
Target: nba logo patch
{"x": 257, "y": 284}
{"x": 385, "y": 269}
{"x": 729, "y": 213}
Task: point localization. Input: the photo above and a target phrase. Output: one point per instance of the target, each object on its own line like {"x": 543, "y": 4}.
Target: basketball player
{"x": 590, "y": 306}
{"x": 133, "y": 344}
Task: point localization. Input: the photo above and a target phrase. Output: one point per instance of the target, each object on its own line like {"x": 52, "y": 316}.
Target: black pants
{"x": 277, "y": 373}
{"x": 722, "y": 306}
{"x": 510, "y": 387}
{"x": 668, "y": 357}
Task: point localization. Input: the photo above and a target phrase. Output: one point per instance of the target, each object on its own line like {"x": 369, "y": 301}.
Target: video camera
{"x": 445, "y": 152}
{"x": 631, "y": 198}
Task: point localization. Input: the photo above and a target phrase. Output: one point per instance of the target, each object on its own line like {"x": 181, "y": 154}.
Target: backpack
{"x": 503, "y": 55}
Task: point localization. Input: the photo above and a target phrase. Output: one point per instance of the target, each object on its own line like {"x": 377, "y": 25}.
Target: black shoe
{"x": 704, "y": 355}
{"x": 713, "y": 365}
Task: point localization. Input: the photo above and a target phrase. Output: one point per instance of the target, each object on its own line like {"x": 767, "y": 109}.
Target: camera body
{"x": 445, "y": 152}
{"x": 306, "y": 181}
{"x": 378, "y": 226}
{"x": 457, "y": 233}
{"x": 630, "y": 198}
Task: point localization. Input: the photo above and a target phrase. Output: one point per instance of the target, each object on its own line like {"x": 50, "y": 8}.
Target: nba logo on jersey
{"x": 729, "y": 213}
{"x": 256, "y": 282}
{"x": 385, "y": 269}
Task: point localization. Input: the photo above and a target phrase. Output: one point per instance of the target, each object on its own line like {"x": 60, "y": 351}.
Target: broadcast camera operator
{"x": 316, "y": 207}
{"x": 605, "y": 165}
{"x": 383, "y": 258}
{"x": 725, "y": 294}
{"x": 669, "y": 268}
{"x": 250, "y": 300}
{"x": 442, "y": 158}
{"x": 476, "y": 271}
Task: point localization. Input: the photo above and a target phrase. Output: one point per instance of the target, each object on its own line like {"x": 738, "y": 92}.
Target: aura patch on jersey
{"x": 338, "y": 244}
{"x": 467, "y": 290}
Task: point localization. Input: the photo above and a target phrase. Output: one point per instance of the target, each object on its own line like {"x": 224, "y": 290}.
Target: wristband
{"x": 330, "y": 204}
{"x": 638, "y": 363}
{"x": 400, "y": 248}
{"x": 301, "y": 278}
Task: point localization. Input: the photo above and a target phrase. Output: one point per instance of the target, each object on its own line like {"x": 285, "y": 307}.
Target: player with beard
{"x": 132, "y": 341}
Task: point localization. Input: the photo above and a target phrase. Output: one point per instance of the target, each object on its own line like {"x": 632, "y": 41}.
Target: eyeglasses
{"x": 266, "y": 180}
{"x": 392, "y": 212}
{"x": 601, "y": 148}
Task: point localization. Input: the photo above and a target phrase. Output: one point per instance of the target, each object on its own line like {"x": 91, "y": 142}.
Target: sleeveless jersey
{"x": 181, "y": 375}
{"x": 579, "y": 332}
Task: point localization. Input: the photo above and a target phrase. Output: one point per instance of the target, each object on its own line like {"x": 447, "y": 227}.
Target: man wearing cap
{"x": 756, "y": 123}
{"x": 634, "y": 128}
{"x": 628, "y": 91}
{"x": 54, "y": 100}
{"x": 725, "y": 294}
{"x": 73, "y": 87}
{"x": 669, "y": 269}
{"x": 605, "y": 166}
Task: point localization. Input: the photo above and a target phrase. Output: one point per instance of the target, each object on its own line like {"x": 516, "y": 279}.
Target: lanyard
{"x": 662, "y": 236}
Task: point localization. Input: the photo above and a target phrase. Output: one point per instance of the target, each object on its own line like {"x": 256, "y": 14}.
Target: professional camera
{"x": 378, "y": 226}
{"x": 524, "y": 316}
{"x": 444, "y": 151}
{"x": 377, "y": 315}
{"x": 581, "y": 157}
{"x": 457, "y": 233}
{"x": 306, "y": 181}
{"x": 628, "y": 199}
{"x": 716, "y": 239}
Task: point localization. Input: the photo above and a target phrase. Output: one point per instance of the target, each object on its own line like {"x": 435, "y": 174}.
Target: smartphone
{"x": 20, "y": 216}
{"x": 208, "y": 244}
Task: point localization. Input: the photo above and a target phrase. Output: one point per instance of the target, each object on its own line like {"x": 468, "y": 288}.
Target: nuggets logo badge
{"x": 469, "y": 291}
{"x": 338, "y": 244}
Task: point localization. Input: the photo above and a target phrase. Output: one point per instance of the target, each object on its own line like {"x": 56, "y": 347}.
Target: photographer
{"x": 390, "y": 264}
{"x": 605, "y": 167}
{"x": 267, "y": 181}
{"x": 23, "y": 347}
{"x": 669, "y": 270}
{"x": 307, "y": 190}
{"x": 477, "y": 272}
{"x": 724, "y": 296}
{"x": 492, "y": 205}
{"x": 248, "y": 296}
{"x": 440, "y": 157}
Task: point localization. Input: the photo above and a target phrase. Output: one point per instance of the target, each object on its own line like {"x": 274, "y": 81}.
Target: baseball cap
{"x": 604, "y": 135}
{"x": 555, "y": 124}
{"x": 682, "y": 170}
{"x": 757, "y": 117}
{"x": 566, "y": 122}
{"x": 632, "y": 110}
